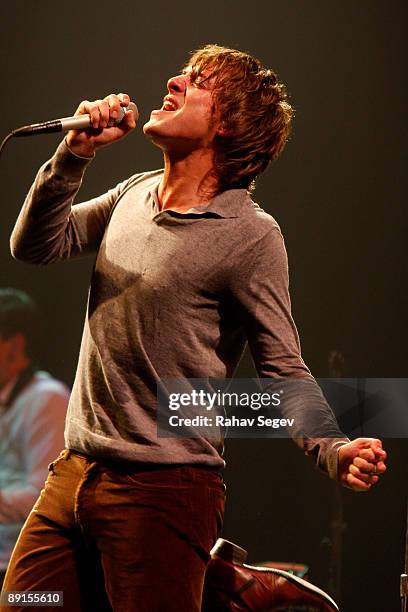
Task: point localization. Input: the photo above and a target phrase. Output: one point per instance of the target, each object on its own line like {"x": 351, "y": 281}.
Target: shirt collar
{"x": 229, "y": 204}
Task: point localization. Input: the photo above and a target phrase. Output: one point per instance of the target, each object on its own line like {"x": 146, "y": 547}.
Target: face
{"x": 12, "y": 358}
{"x": 6, "y": 354}
{"x": 185, "y": 122}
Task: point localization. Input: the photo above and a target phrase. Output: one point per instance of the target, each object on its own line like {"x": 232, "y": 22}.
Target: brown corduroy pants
{"x": 119, "y": 537}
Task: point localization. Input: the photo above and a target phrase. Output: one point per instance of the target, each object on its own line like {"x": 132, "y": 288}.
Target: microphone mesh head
{"x": 132, "y": 106}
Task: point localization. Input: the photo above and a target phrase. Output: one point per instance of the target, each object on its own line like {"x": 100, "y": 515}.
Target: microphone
{"x": 80, "y": 122}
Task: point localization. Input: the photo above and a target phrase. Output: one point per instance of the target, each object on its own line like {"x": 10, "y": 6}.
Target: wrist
{"x": 80, "y": 149}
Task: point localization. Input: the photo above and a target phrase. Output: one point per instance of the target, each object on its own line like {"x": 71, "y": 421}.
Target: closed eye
{"x": 195, "y": 79}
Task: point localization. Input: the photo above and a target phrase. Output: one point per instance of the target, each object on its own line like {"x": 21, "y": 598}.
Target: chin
{"x": 156, "y": 132}
{"x": 151, "y": 127}
{"x": 146, "y": 127}
{"x": 149, "y": 132}
{"x": 152, "y": 134}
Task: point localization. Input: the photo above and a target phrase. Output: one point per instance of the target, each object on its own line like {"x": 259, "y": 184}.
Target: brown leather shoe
{"x": 233, "y": 586}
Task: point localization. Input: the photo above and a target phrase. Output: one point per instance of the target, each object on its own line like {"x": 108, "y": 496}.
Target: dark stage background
{"x": 337, "y": 192}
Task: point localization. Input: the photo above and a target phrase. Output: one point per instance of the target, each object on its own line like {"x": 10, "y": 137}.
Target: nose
{"x": 177, "y": 84}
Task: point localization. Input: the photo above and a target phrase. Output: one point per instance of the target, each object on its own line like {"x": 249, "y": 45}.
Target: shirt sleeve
{"x": 42, "y": 440}
{"x": 262, "y": 290}
{"x": 49, "y": 227}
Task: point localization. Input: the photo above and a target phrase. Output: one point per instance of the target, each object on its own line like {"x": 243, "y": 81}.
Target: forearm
{"x": 43, "y": 232}
{"x": 315, "y": 429}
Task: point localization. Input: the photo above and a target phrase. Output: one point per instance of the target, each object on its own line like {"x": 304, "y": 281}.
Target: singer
{"x": 187, "y": 269}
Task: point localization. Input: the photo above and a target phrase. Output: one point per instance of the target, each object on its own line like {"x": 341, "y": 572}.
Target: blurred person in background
{"x": 32, "y": 415}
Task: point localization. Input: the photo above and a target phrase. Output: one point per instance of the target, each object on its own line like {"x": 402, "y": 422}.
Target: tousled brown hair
{"x": 253, "y": 108}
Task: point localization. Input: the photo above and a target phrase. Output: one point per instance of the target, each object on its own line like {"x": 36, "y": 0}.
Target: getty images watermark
{"x": 212, "y": 402}
{"x": 216, "y": 408}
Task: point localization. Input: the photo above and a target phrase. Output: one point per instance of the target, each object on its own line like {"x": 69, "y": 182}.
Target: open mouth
{"x": 169, "y": 105}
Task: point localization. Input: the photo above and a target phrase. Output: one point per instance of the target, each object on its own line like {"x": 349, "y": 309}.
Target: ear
{"x": 223, "y": 130}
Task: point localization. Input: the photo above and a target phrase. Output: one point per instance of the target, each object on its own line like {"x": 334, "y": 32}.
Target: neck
{"x": 188, "y": 181}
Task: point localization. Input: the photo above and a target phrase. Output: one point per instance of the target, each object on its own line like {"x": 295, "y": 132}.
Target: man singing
{"x": 187, "y": 269}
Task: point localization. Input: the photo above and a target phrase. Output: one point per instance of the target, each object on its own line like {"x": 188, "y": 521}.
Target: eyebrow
{"x": 202, "y": 79}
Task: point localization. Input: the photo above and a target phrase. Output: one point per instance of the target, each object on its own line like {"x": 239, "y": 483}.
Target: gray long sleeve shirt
{"x": 173, "y": 295}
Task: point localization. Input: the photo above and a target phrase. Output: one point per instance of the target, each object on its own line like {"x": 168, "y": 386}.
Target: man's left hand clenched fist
{"x": 361, "y": 463}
